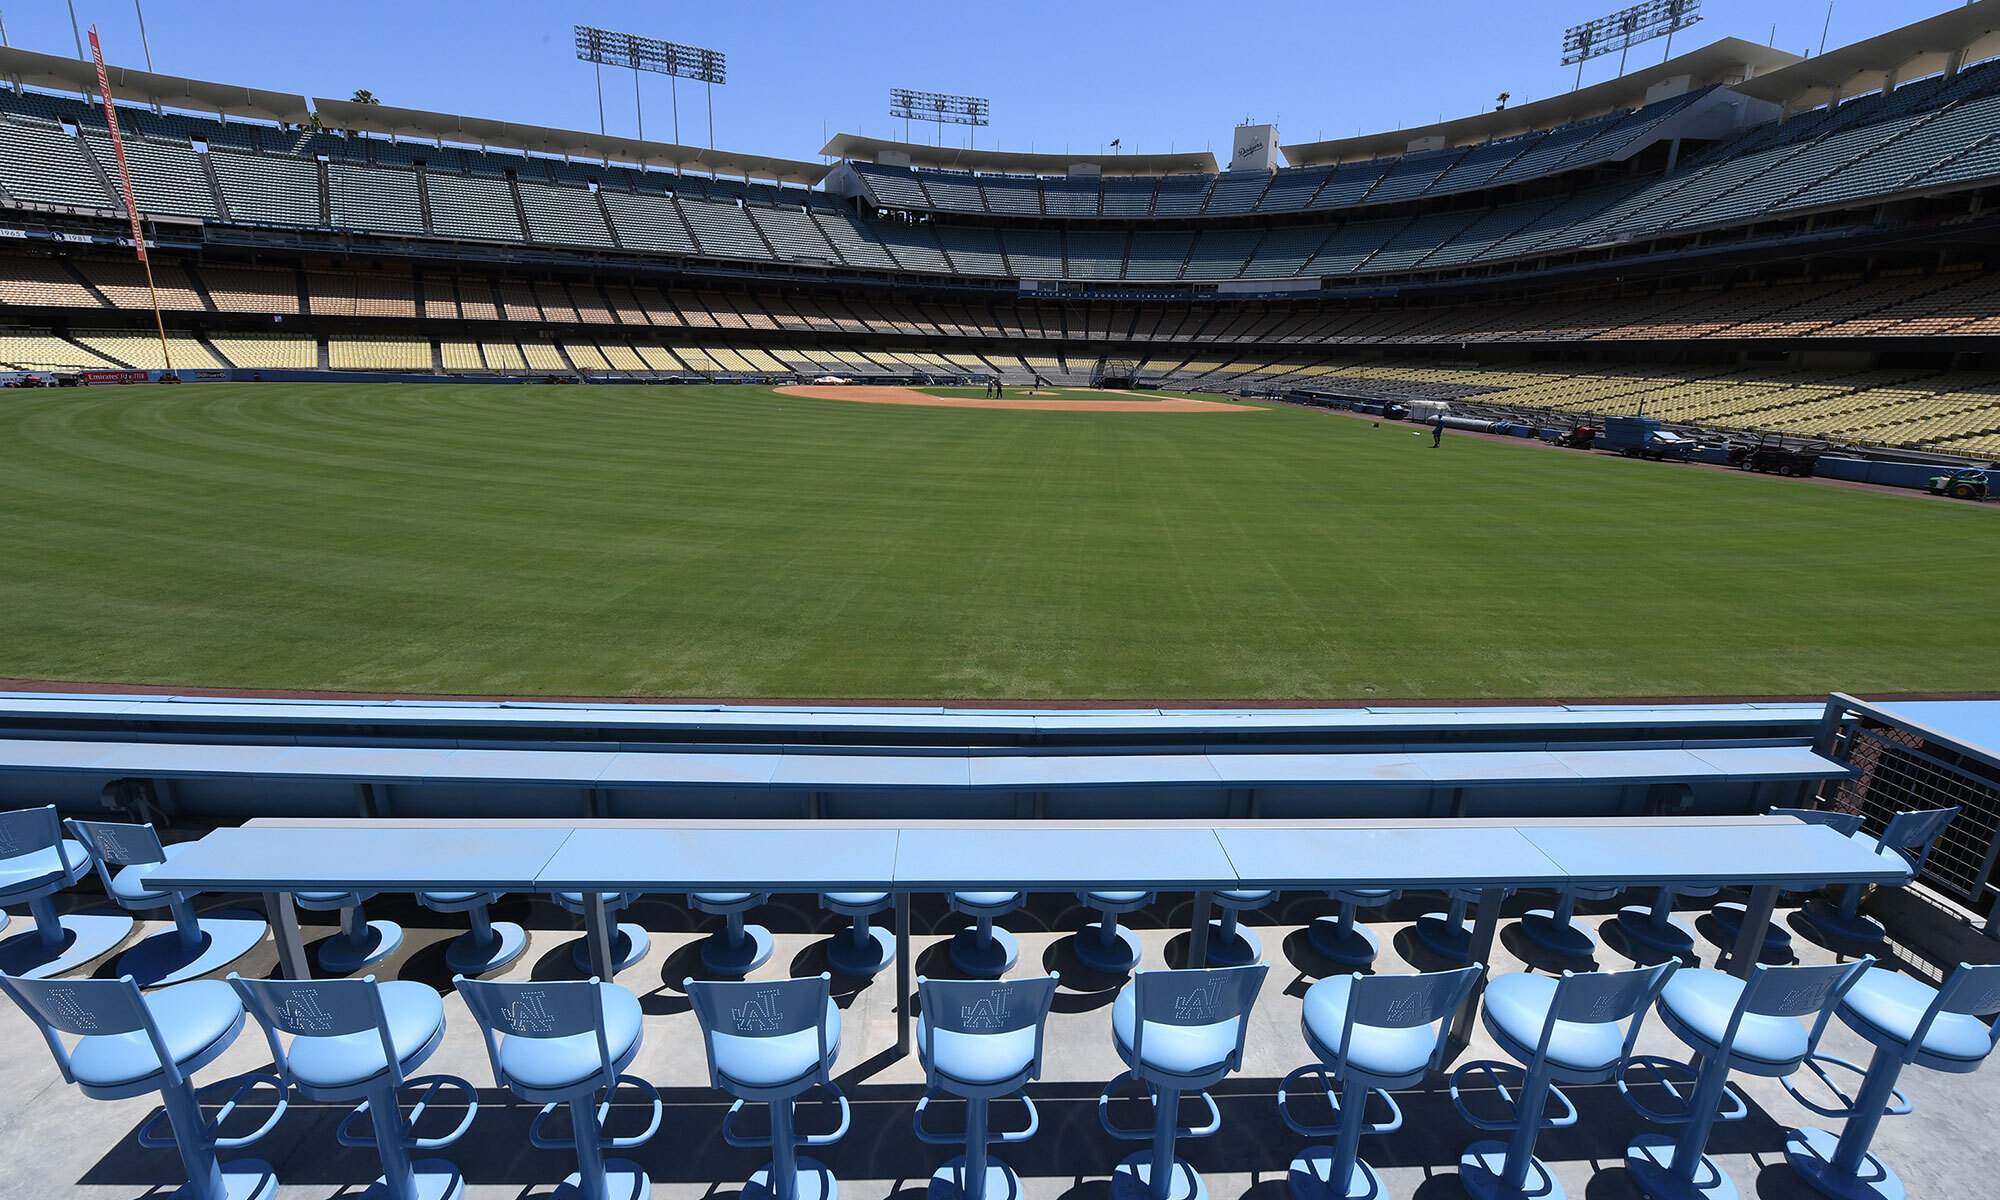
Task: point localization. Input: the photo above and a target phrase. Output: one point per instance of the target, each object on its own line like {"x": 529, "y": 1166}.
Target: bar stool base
{"x": 623, "y": 1180}
{"x": 164, "y": 958}
{"x": 948, "y": 1182}
{"x": 1674, "y": 937}
{"x": 342, "y": 957}
{"x": 1650, "y": 1158}
{"x": 1729, "y": 915}
{"x": 860, "y": 962}
{"x": 1355, "y": 948}
{"x": 815, "y": 1182}
{"x": 751, "y": 951}
{"x": 470, "y": 957}
{"x": 85, "y": 935}
{"x": 1116, "y": 959}
{"x": 1539, "y": 926}
{"x": 242, "y": 1179}
{"x": 1311, "y": 1178}
{"x": 988, "y": 958}
{"x": 1239, "y": 949}
{"x": 1133, "y": 1180}
{"x": 1859, "y": 929}
{"x": 435, "y": 1178}
{"x": 1436, "y": 933}
{"x": 1810, "y": 1151}
{"x": 629, "y": 944}
{"x": 1480, "y": 1168}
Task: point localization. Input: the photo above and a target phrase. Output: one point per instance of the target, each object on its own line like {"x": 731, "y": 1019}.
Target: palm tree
{"x": 364, "y": 96}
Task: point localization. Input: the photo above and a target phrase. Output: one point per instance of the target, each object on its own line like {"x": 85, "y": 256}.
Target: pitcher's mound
{"x": 865, "y": 394}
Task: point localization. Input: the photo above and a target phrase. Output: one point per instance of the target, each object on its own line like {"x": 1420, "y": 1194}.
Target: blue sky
{"x": 1167, "y": 74}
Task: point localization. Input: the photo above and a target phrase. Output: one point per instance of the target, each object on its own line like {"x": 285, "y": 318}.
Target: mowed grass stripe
{"x": 735, "y": 542}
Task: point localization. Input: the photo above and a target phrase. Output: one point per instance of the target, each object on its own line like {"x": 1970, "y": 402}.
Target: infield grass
{"x": 731, "y": 542}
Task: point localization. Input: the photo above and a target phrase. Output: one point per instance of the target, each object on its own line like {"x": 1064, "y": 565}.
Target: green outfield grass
{"x": 731, "y": 542}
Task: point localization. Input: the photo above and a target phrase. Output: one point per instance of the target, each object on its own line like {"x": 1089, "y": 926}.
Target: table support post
{"x": 597, "y": 930}
{"x": 1485, "y": 924}
{"x": 1750, "y": 939}
{"x": 284, "y": 919}
{"x": 903, "y": 974}
{"x": 1198, "y": 933}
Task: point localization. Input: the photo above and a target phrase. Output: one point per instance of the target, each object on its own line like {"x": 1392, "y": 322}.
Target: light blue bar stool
{"x": 1371, "y": 1033}
{"x": 560, "y": 1043}
{"x": 1105, "y": 946}
{"x": 1229, "y": 944}
{"x": 1444, "y": 933}
{"x": 355, "y": 1039}
{"x": 1176, "y": 1031}
{"x": 1729, "y": 914}
{"x": 1733, "y": 1025}
{"x": 1555, "y": 929}
{"x": 489, "y": 945}
{"x": 36, "y": 862}
{"x": 1561, "y": 1031}
{"x": 1338, "y": 937}
{"x": 1907, "y": 1021}
{"x": 197, "y": 945}
{"x": 1910, "y": 834}
{"x": 130, "y": 1043}
{"x": 1655, "y": 926}
{"x": 980, "y": 1041}
{"x": 864, "y": 948}
{"x": 629, "y": 942}
{"x": 736, "y": 949}
{"x": 360, "y": 942}
{"x": 774, "y": 1041}
{"x": 985, "y": 951}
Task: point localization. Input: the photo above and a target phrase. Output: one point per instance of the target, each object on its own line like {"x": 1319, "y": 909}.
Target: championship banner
{"x": 117, "y": 145}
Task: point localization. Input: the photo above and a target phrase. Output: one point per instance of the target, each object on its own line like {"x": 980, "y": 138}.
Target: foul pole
{"x": 131, "y": 207}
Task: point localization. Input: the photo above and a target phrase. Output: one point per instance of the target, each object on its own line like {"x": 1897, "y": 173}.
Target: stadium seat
{"x": 864, "y": 948}
{"x": 1729, "y": 914}
{"x": 197, "y": 945}
{"x": 560, "y": 1043}
{"x": 1732, "y": 1024}
{"x": 36, "y": 862}
{"x": 774, "y": 1041}
{"x": 1560, "y": 1031}
{"x": 130, "y": 1044}
{"x": 1176, "y": 1031}
{"x": 985, "y": 951}
{"x": 1444, "y": 933}
{"x": 1370, "y": 1033}
{"x": 736, "y": 949}
{"x": 1229, "y": 944}
{"x": 1655, "y": 926}
{"x": 1909, "y": 834}
{"x": 1556, "y": 930}
{"x": 1908, "y": 1022}
{"x": 360, "y": 942}
{"x": 354, "y": 1039}
{"x": 1338, "y": 937}
{"x": 1106, "y": 947}
{"x": 489, "y": 945}
{"x": 980, "y": 1041}
{"x": 629, "y": 941}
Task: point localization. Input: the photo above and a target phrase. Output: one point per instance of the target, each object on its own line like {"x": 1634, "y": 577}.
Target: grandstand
{"x": 1735, "y": 237}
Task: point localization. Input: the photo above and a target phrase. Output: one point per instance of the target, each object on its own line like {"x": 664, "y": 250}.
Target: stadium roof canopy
{"x": 1922, "y": 48}
{"x": 1727, "y": 61}
{"x": 1008, "y": 162}
{"x": 59, "y": 73}
{"x": 479, "y": 131}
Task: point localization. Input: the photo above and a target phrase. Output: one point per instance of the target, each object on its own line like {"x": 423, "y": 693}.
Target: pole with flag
{"x": 125, "y": 180}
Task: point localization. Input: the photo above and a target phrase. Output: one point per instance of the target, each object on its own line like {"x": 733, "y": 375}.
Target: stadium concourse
{"x": 1735, "y": 238}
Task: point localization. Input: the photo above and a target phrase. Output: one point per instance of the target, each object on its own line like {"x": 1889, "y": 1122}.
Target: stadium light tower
{"x": 1625, "y": 29}
{"x": 602, "y": 48}
{"x": 940, "y": 107}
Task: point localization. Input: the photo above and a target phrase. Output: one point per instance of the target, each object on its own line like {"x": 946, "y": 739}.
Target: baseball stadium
{"x": 1480, "y": 635}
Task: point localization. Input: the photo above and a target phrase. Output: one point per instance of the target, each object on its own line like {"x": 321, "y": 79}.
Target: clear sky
{"x": 1060, "y": 73}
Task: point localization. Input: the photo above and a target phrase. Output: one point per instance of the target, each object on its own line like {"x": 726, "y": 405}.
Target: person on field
{"x": 1437, "y": 432}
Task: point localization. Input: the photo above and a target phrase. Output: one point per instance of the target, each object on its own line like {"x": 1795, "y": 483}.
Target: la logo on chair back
{"x": 311, "y": 1008}
{"x": 1798, "y": 991}
{"x": 120, "y": 845}
{"x": 82, "y": 1007}
{"x": 1404, "y": 1001}
{"x": 759, "y": 1014}
{"x": 548, "y": 1009}
{"x": 759, "y": 1009}
{"x": 1204, "y": 997}
{"x": 979, "y": 1006}
{"x": 1600, "y": 997}
{"x": 26, "y": 830}
{"x": 528, "y": 1013}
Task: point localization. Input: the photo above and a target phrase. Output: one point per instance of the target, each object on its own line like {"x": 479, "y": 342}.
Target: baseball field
{"x": 734, "y": 542}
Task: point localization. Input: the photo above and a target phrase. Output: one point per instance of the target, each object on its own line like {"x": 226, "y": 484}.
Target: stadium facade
{"x": 1736, "y": 238}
